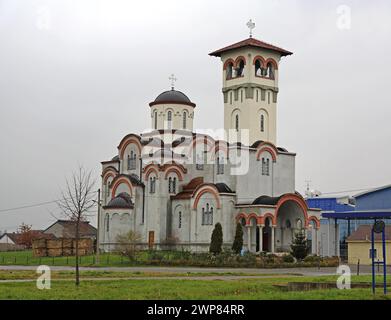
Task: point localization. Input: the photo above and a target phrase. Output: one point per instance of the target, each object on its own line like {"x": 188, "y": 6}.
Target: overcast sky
{"x": 76, "y": 76}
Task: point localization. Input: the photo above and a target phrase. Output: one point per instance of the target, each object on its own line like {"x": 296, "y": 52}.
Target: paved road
{"x": 296, "y": 271}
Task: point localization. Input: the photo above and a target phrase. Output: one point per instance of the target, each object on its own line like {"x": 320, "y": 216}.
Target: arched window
{"x": 268, "y": 167}
{"x": 152, "y": 184}
{"x": 262, "y": 124}
{"x": 220, "y": 165}
{"x": 180, "y": 219}
{"x": 155, "y": 119}
{"x": 184, "y": 119}
{"x": 200, "y": 162}
{"x": 172, "y": 185}
{"x": 169, "y": 119}
{"x": 237, "y": 122}
{"x": 132, "y": 160}
{"x": 107, "y": 223}
{"x": 207, "y": 215}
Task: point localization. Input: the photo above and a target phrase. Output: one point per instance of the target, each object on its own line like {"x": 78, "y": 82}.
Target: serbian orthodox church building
{"x": 171, "y": 185}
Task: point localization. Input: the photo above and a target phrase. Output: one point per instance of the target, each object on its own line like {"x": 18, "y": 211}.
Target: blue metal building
{"x": 345, "y": 218}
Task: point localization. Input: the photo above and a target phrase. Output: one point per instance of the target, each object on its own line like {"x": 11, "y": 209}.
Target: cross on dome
{"x": 173, "y": 79}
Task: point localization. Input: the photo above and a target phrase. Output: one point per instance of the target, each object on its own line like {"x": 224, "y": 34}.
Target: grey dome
{"x": 121, "y": 201}
{"x": 172, "y": 96}
{"x": 266, "y": 200}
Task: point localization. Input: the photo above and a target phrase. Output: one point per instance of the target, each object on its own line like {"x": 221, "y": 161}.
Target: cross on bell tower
{"x": 173, "y": 79}
{"x": 251, "y": 25}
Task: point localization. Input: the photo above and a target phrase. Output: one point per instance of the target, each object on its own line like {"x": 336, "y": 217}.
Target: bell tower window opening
{"x": 237, "y": 122}
{"x": 230, "y": 71}
{"x": 270, "y": 71}
{"x": 259, "y": 70}
{"x": 262, "y": 124}
{"x": 240, "y": 69}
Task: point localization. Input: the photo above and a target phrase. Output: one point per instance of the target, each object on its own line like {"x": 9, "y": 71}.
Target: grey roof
{"x": 172, "y": 96}
{"x": 266, "y": 200}
{"x": 223, "y": 188}
{"x": 121, "y": 201}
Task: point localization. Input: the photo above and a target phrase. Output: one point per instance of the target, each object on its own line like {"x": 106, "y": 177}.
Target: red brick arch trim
{"x": 268, "y": 149}
{"x": 149, "y": 170}
{"x": 227, "y": 62}
{"x": 107, "y": 175}
{"x": 241, "y": 215}
{"x": 108, "y": 172}
{"x": 273, "y": 62}
{"x": 207, "y": 189}
{"x": 129, "y": 139}
{"x": 316, "y": 220}
{"x": 295, "y": 198}
{"x": 261, "y": 59}
{"x": 175, "y": 170}
{"x": 252, "y": 215}
{"x": 118, "y": 182}
{"x": 238, "y": 59}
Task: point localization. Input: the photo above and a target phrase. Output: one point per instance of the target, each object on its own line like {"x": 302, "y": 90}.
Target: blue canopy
{"x": 359, "y": 215}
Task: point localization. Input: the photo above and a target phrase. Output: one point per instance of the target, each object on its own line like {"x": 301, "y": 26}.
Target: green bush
{"x": 216, "y": 242}
{"x": 312, "y": 259}
{"x": 238, "y": 241}
{"x": 288, "y": 258}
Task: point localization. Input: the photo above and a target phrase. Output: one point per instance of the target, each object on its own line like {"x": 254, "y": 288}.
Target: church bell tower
{"x": 250, "y": 88}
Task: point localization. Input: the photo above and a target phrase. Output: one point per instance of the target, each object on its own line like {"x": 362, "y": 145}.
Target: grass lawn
{"x": 26, "y": 258}
{"x": 261, "y": 289}
{"x": 29, "y": 274}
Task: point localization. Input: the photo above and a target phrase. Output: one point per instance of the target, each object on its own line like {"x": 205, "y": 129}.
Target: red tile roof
{"x": 251, "y": 42}
{"x": 363, "y": 233}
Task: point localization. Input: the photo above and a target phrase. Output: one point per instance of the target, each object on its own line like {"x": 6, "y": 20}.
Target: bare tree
{"x": 76, "y": 201}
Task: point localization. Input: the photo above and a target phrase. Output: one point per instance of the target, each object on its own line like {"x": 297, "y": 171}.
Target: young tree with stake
{"x": 76, "y": 200}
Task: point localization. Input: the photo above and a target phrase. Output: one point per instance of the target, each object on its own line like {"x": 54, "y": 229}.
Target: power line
{"x": 33, "y": 205}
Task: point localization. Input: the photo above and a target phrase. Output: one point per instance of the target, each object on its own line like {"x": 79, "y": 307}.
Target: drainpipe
{"x": 143, "y": 187}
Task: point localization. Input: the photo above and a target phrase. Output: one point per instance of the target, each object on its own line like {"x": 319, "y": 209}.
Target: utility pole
{"x": 97, "y": 236}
